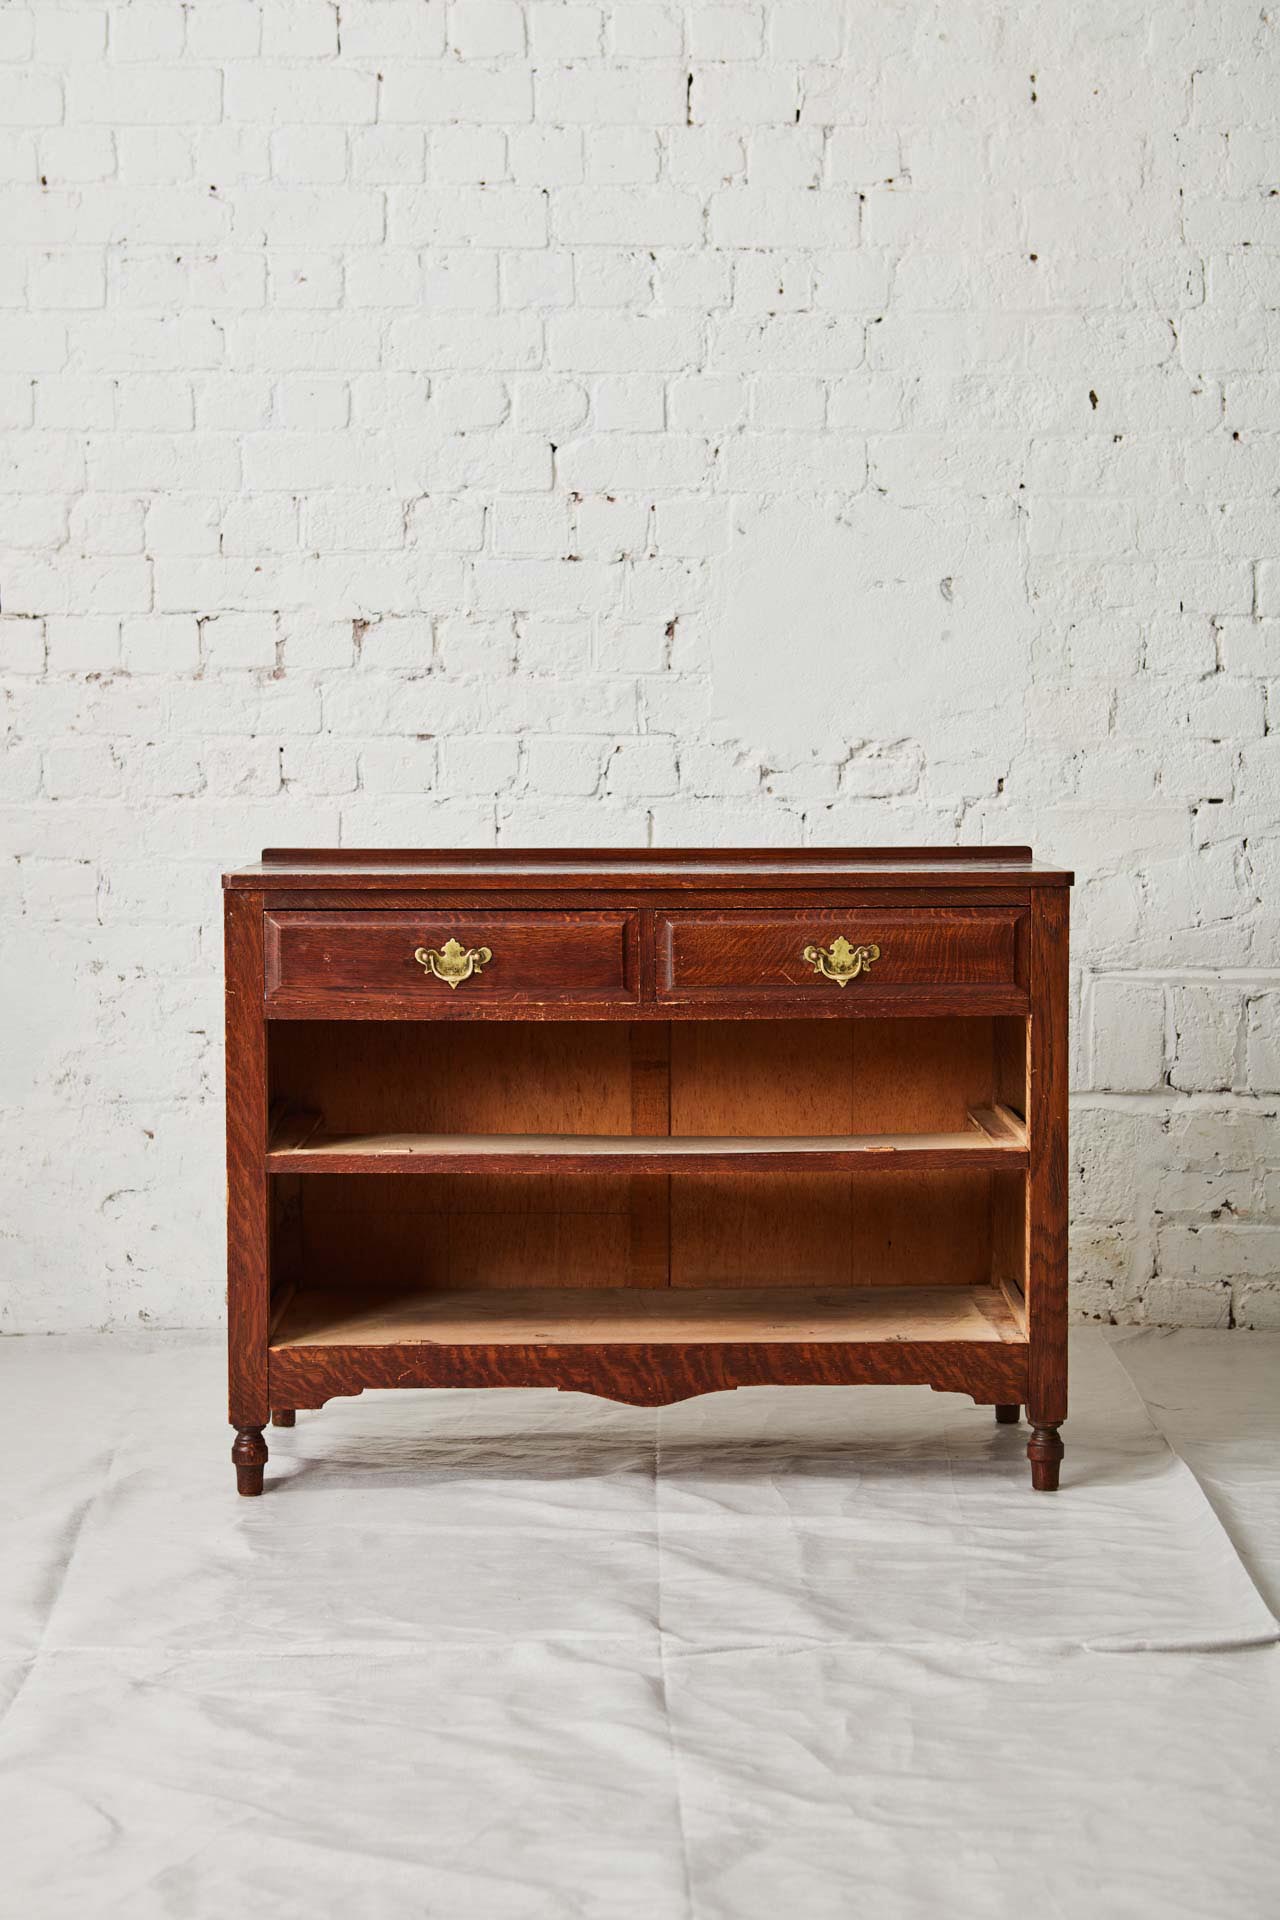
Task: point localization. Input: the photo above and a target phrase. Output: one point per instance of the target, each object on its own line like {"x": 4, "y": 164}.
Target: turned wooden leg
{"x": 283, "y": 1416}
{"x": 1045, "y": 1451}
{"x": 249, "y": 1452}
{"x": 1008, "y": 1416}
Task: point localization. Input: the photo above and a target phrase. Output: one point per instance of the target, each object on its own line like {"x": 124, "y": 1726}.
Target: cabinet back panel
{"x": 433, "y": 1077}
{"x": 831, "y": 1230}
{"x": 430, "y": 1233}
{"x": 727, "y": 1076}
{"x": 869, "y": 1076}
{"x": 796, "y": 1076}
{"x": 734, "y": 1078}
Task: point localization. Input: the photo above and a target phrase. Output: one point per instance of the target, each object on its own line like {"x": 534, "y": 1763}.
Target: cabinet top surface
{"x": 641, "y": 868}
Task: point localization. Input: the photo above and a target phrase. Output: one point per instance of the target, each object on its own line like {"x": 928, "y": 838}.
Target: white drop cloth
{"x": 814, "y": 1651}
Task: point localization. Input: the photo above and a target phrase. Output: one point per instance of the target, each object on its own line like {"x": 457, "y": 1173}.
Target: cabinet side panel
{"x": 248, "y": 1256}
{"x": 1010, "y": 1033}
{"x": 1047, "y": 1181}
{"x": 1009, "y": 1240}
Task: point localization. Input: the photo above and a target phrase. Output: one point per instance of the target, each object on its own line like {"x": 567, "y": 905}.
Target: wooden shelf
{"x": 996, "y": 1139}
{"x": 627, "y": 1316}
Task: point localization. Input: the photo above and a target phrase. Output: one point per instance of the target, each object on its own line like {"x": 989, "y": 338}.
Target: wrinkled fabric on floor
{"x": 494, "y": 1655}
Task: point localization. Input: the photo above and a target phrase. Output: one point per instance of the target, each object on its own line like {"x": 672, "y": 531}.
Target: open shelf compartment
{"x": 599, "y": 1186}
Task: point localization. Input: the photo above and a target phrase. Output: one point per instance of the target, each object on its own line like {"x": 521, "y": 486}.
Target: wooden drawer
{"x": 442, "y": 964}
{"x": 939, "y": 957}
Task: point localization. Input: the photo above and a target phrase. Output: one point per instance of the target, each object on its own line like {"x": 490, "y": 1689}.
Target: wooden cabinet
{"x": 646, "y": 1125}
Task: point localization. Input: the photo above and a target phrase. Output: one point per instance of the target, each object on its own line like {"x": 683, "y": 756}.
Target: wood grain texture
{"x": 900, "y": 1003}
{"x": 581, "y": 861}
{"x": 990, "y": 1372}
{"x": 549, "y": 958}
{"x": 1009, "y": 1237}
{"x": 249, "y": 1457}
{"x": 1002, "y": 1126}
{"x": 637, "y": 869}
{"x": 1045, "y": 1451}
{"x": 475, "y": 1231}
{"x": 431, "y": 1077}
{"x": 439, "y": 1077}
{"x": 800, "y": 1077}
{"x": 1011, "y": 1063}
{"x": 700, "y": 955}
{"x": 649, "y": 901}
{"x": 650, "y": 1191}
{"x": 356, "y": 1315}
{"x": 1046, "y": 1265}
{"x": 541, "y": 1153}
{"x": 794, "y": 1077}
{"x": 871, "y": 1179}
{"x": 248, "y": 1250}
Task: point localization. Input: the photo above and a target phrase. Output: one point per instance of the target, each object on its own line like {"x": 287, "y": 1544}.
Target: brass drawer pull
{"x": 453, "y": 963}
{"x": 841, "y": 962}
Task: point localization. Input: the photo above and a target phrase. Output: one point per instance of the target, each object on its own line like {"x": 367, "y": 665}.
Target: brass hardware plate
{"x": 841, "y": 962}
{"x": 453, "y": 963}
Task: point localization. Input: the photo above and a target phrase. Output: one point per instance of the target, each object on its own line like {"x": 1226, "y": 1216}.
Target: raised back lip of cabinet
{"x": 983, "y": 939}
{"x": 642, "y": 869}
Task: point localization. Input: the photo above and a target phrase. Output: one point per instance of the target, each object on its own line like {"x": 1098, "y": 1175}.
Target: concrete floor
{"x": 527, "y": 1655}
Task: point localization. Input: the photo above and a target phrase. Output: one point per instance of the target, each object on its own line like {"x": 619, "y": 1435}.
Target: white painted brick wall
{"x": 556, "y": 422}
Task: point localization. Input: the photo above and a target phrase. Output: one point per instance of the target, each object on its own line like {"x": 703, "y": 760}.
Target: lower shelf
{"x": 647, "y": 1346}
{"x": 624, "y": 1316}
{"x": 994, "y": 1141}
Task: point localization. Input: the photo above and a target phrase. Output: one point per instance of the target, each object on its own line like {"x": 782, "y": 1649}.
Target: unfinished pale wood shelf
{"x": 627, "y": 1316}
{"x": 996, "y": 1140}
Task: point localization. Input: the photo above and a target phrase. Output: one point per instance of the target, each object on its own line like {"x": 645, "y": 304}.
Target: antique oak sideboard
{"x": 646, "y": 1125}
